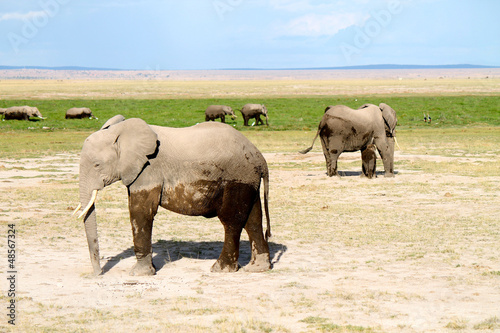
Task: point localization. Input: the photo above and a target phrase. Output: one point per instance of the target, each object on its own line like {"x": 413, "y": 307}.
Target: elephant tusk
{"x": 397, "y": 144}
{"x": 77, "y": 209}
{"x": 91, "y": 202}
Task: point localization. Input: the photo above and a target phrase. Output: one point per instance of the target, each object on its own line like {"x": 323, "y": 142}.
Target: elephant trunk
{"x": 89, "y": 218}
{"x": 389, "y": 171}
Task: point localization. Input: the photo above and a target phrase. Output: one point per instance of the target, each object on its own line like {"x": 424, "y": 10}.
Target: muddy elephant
{"x": 345, "y": 129}
{"x": 22, "y": 113}
{"x": 219, "y": 111}
{"x": 254, "y": 111}
{"x": 209, "y": 170}
{"x": 369, "y": 161}
{"x": 79, "y": 113}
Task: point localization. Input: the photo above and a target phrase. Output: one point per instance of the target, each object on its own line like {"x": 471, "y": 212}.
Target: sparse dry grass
{"x": 127, "y": 89}
{"x": 351, "y": 254}
{"x": 419, "y": 252}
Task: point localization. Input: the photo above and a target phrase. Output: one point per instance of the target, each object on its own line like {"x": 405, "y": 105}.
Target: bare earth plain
{"x": 416, "y": 253}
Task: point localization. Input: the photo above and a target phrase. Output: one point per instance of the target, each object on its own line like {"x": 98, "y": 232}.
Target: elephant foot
{"x": 261, "y": 263}
{"x": 220, "y": 267}
{"x": 143, "y": 267}
{"x": 97, "y": 272}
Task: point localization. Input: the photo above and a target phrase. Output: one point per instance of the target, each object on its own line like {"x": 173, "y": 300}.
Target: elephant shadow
{"x": 359, "y": 173}
{"x": 167, "y": 251}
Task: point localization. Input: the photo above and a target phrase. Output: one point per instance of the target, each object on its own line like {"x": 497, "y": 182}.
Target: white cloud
{"x": 21, "y": 16}
{"x": 316, "y": 25}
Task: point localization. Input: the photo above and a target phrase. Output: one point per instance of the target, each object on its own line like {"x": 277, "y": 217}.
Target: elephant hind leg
{"x": 332, "y": 151}
{"x": 234, "y": 210}
{"x": 260, "y": 260}
{"x": 245, "y": 120}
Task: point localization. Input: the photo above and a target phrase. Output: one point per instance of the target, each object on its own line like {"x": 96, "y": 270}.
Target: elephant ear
{"x": 390, "y": 118}
{"x": 135, "y": 142}
{"x": 112, "y": 121}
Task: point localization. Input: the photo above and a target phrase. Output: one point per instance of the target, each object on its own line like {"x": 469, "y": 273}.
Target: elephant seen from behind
{"x": 250, "y": 111}
{"x": 79, "y": 113}
{"x": 343, "y": 129}
{"x": 219, "y": 111}
{"x": 209, "y": 170}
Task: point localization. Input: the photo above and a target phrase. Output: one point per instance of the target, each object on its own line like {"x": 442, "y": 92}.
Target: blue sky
{"x": 214, "y": 34}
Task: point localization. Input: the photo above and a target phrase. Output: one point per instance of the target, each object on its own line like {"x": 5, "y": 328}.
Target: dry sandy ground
{"x": 230, "y": 75}
{"x": 44, "y": 84}
{"x": 417, "y": 253}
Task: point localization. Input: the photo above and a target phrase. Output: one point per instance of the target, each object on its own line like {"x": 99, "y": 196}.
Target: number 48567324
{"x": 11, "y": 246}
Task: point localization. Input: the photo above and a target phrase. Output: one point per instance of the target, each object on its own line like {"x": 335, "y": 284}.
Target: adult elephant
{"x": 254, "y": 111}
{"x": 219, "y": 111}
{"x": 345, "y": 129}
{"x": 79, "y": 113}
{"x": 22, "y": 113}
{"x": 209, "y": 170}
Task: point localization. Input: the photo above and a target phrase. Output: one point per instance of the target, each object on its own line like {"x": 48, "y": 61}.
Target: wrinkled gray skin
{"x": 209, "y": 170}
{"x": 369, "y": 161}
{"x": 22, "y": 113}
{"x": 344, "y": 129}
{"x": 219, "y": 111}
{"x": 79, "y": 113}
{"x": 254, "y": 111}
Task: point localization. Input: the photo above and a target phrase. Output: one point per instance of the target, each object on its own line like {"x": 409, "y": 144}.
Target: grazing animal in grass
{"x": 250, "y": 111}
{"x": 79, "y": 113}
{"x": 219, "y": 111}
{"x": 22, "y": 113}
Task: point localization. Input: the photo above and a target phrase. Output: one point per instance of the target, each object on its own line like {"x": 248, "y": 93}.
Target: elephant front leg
{"x": 228, "y": 259}
{"x": 143, "y": 206}
{"x": 385, "y": 148}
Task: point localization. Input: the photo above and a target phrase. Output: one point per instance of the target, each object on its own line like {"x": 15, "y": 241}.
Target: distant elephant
{"x": 209, "y": 170}
{"x": 254, "y": 111}
{"x": 22, "y": 113}
{"x": 369, "y": 161}
{"x": 219, "y": 111}
{"x": 344, "y": 129}
{"x": 79, "y": 113}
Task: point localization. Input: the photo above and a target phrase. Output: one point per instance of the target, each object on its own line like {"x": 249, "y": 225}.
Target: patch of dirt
{"x": 415, "y": 253}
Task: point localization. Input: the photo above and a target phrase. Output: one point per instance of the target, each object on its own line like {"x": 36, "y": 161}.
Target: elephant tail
{"x": 265, "y": 177}
{"x": 305, "y": 151}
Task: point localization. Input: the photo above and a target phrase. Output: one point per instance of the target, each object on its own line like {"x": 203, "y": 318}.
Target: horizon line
{"x": 357, "y": 67}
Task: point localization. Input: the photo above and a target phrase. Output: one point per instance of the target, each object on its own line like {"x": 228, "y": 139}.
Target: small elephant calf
{"x": 219, "y": 111}
{"x": 369, "y": 161}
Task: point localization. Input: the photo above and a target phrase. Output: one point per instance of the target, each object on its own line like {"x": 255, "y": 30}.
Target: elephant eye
{"x": 97, "y": 164}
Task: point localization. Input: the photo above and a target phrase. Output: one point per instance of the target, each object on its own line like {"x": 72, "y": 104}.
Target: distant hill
{"x": 362, "y": 67}
{"x": 382, "y": 66}
{"x": 61, "y": 68}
